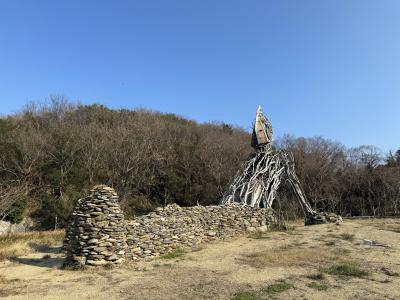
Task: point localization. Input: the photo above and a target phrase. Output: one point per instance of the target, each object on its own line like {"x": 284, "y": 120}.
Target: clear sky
{"x": 329, "y": 68}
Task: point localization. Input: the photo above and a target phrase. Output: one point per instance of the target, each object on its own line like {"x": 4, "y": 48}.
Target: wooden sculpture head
{"x": 262, "y": 130}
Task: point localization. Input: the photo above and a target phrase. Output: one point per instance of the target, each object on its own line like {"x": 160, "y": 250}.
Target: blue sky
{"x": 329, "y": 68}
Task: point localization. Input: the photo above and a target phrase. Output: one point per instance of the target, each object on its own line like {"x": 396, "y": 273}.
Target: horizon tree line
{"x": 52, "y": 154}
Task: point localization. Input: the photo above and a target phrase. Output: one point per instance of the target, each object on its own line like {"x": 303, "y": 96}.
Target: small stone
{"x": 99, "y": 249}
{"x": 100, "y": 262}
{"x": 96, "y": 213}
{"x": 251, "y": 229}
{"x": 262, "y": 229}
{"x": 113, "y": 257}
{"x": 120, "y": 260}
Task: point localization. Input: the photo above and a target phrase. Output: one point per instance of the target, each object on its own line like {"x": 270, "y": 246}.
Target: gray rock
{"x": 100, "y": 262}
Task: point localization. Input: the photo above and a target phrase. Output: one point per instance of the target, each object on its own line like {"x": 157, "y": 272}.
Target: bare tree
{"x": 10, "y": 194}
{"x": 366, "y": 156}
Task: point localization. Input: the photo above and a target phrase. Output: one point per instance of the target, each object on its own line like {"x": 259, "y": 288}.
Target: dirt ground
{"x": 315, "y": 262}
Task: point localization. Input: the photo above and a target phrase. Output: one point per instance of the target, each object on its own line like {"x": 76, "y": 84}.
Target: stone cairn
{"x": 96, "y": 233}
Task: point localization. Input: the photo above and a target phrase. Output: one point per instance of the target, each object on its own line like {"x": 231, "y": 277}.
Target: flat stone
{"x": 251, "y": 229}
{"x": 99, "y": 249}
{"x": 100, "y": 262}
{"x": 262, "y": 229}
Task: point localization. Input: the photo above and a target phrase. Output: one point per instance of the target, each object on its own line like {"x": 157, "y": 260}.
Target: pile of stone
{"x": 323, "y": 218}
{"x": 96, "y": 234}
{"x": 173, "y": 227}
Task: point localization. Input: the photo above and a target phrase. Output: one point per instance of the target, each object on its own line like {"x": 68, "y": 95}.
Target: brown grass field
{"x": 18, "y": 244}
{"x": 315, "y": 262}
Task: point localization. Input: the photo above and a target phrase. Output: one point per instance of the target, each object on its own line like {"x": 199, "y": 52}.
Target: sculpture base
{"x": 322, "y": 218}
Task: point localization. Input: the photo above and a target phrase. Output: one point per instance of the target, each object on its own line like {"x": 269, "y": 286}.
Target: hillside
{"x": 52, "y": 154}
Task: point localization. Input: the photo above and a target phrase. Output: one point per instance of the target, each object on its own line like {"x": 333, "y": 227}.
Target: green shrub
{"x": 175, "y": 254}
{"x": 136, "y": 205}
{"x": 346, "y": 269}
{"x": 17, "y": 211}
{"x": 246, "y": 295}
{"x": 317, "y": 276}
{"x": 318, "y": 286}
{"x": 278, "y": 287}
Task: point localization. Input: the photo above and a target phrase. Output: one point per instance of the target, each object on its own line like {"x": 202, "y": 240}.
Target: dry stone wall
{"x": 98, "y": 234}
{"x": 174, "y": 227}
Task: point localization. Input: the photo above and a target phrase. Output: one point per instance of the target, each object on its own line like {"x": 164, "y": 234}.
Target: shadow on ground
{"x": 45, "y": 262}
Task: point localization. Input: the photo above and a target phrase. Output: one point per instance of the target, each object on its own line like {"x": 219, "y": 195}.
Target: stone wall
{"x": 98, "y": 234}
{"x": 174, "y": 227}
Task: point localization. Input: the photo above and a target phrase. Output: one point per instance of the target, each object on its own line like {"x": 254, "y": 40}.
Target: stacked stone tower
{"x": 96, "y": 233}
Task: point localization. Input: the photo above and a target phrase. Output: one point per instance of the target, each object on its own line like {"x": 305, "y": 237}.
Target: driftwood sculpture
{"x": 257, "y": 183}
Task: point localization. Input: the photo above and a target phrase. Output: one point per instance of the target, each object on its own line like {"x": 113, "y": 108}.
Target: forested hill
{"x": 50, "y": 155}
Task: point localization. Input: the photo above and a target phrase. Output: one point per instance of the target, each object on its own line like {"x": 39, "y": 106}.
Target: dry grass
{"x": 10, "y": 287}
{"x": 287, "y": 257}
{"x": 383, "y": 224}
{"x": 346, "y": 270}
{"x": 347, "y": 236}
{"x": 297, "y": 222}
{"x": 389, "y": 227}
{"x": 3, "y": 279}
{"x": 177, "y": 253}
{"x": 17, "y": 244}
{"x": 318, "y": 286}
{"x": 258, "y": 236}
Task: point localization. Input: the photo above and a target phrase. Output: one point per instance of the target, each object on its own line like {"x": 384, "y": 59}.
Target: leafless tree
{"x": 10, "y": 194}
